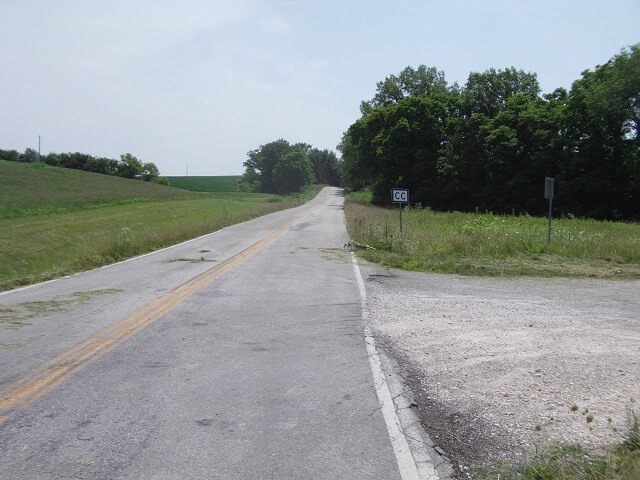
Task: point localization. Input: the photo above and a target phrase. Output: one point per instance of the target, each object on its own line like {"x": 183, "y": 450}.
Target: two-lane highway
{"x": 236, "y": 355}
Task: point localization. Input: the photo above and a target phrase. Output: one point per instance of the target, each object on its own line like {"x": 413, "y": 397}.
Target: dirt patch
{"x": 188, "y": 260}
{"x": 501, "y": 366}
{"x": 16, "y": 316}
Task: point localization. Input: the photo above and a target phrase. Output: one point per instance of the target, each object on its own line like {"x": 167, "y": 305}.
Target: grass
{"x": 492, "y": 245}
{"x": 55, "y": 222}
{"x": 572, "y": 462}
{"x": 40, "y": 189}
{"x": 206, "y": 184}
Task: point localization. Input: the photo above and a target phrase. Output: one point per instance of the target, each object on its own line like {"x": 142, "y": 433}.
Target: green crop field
{"x": 492, "y": 245}
{"x": 206, "y": 184}
{"x": 56, "y": 221}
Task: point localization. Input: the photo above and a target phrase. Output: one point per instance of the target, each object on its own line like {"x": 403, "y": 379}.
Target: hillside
{"x": 27, "y": 189}
{"x": 206, "y": 184}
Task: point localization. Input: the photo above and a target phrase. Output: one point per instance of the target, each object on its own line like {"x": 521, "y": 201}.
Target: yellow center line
{"x": 52, "y": 373}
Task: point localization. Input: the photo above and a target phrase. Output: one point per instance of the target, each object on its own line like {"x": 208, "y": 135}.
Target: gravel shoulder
{"x": 496, "y": 365}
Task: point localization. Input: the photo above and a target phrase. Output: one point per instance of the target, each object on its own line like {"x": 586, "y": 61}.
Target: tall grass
{"x": 487, "y": 244}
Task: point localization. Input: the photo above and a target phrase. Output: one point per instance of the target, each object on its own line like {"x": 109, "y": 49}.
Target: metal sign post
{"x": 400, "y": 196}
{"x": 548, "y": 193}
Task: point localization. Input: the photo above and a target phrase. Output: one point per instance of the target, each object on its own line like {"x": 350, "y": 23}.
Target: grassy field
{"x": 34, "y": 189}
{"x": 56, "y": 221}
{"x": 492, "y": 245}
{"x": 206, "y": 184}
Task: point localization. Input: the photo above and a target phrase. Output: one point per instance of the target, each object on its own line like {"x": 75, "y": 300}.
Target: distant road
{"x": 233, "y": 356}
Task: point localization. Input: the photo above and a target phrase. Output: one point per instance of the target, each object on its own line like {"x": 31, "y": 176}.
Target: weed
{"x": 494, "y": 245}
{"x": 573, "y": 462}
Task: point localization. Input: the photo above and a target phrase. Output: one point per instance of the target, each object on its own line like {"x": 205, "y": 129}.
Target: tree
{"x": 488, "y": 92}
{"x": 603, "y": 122}
{"x": 292, "y": 172}
{"x": 408, "y": 83}
{"x": 29, "y": 156}
{"x": 260, "y": 164}
{"x": 398, "y": 145}
{"x": 325, "y": 166}
{"x": 129, "y": 166}
{"x": 9, "y": 155}
{"x": 149, "y": 172}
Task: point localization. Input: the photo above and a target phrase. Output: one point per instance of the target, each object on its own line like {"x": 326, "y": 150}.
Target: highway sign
{"x": 399, "y": 195}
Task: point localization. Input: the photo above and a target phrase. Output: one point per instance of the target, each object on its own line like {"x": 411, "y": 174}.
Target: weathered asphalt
{"x": 260, "y": 373}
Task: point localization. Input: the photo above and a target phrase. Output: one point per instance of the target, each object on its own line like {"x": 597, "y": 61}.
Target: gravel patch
{"x": 500, "y": 367}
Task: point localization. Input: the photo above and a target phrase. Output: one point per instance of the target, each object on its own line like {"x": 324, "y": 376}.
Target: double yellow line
{"x": 49, "y": 375}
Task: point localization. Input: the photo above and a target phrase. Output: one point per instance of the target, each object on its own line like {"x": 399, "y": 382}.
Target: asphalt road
{"x": 236, "y": 355}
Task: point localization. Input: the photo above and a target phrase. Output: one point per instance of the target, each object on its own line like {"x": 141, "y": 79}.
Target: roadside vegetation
{"x": 572, "y": 462}
{"x": 37, "y": 189}
{"x": 490, "y": 143}
{"x": 206, "y": 184}
{"x": 485, "y": 244}
{"x": 55, "y": 222}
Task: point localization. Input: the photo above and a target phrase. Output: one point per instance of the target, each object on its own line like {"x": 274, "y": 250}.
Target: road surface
{"x": 237, "y": 355}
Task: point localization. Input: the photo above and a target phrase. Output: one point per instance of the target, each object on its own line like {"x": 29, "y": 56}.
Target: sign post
{"x": 400, "y": 196}
{"x": 548, "y": 193}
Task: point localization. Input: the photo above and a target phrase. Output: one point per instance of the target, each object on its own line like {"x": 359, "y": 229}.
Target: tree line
{"x": 128, "y": 166}
{"x": 489, "y": 144}
{"x": 282, "y": 168}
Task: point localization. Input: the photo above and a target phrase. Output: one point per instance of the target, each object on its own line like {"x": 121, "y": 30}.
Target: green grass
{"x": 55, "y": 222}
{"x": 36, "y": 189}
{"x": 206, "y": 184}
{"x": 572, "y": 462}
{"x": 492, "y": 245}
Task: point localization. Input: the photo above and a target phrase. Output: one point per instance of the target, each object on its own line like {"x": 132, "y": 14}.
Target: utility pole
{"x": 39, "y": 137}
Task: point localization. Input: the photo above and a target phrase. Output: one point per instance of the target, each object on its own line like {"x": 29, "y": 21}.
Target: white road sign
{"x": 400, "y": 195}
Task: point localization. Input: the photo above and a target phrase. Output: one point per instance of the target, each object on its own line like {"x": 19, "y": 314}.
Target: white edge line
{"x": 406, "y": 463}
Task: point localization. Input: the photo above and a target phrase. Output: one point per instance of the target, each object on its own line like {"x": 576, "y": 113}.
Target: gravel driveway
{"x": 500, "y": 366}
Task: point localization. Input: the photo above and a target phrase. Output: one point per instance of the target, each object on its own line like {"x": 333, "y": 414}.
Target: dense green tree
{"x": 292, "y": 172}
{"x": 408, "y": 83}
{"x": 9, "y": 155}
{"x": 488, "y": 92}
{"x": 261, "y": 163}
{"x": 325, "y": 166}
{"x": 603, "y": 114}
{"x": 490, "y": 144}
{"x": 29, "y": 156}
{"x": 129, "y": 166}
{"x": 398, "y": 145}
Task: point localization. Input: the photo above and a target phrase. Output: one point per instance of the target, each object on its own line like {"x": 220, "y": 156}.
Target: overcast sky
{"x": 198, "y": 84}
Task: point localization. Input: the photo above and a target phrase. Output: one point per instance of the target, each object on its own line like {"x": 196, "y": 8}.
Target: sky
{"x": 193, "y": 85}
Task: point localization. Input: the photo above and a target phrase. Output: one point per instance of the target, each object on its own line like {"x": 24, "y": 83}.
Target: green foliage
{"x": 262, "y": 164}
{"x": 207, "y": 184}
{"x": 128, "y": 166}
{"x": 56, "y": 221}
{"x": 292, "y": 172}
{"x": 162, "y": 181}
{"x": 489, "y": 145}
{"x": 408, "y": 83}
{"x": 493, "y": 245}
